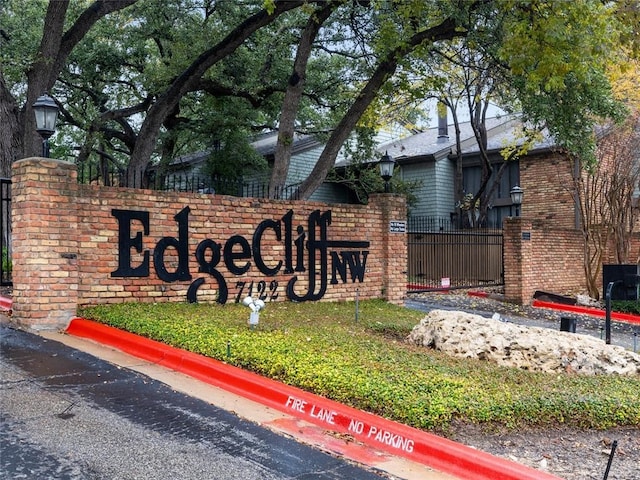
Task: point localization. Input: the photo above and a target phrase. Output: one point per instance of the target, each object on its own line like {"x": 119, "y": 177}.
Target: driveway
{"x": 69, "y": 415}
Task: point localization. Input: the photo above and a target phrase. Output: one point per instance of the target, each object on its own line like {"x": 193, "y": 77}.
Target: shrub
{"x": 363, "y": 361}
{"x": 626, "y": 306}
{"x": 7, "y": 265}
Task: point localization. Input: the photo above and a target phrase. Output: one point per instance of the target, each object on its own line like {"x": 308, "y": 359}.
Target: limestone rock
{"x": 467, "y": 335}
{"x": 587, "y": 301}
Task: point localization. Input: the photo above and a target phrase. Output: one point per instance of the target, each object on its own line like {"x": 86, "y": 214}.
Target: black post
{"x": 45, "y": 148}
{"x": 607, "y": 321}
{"x": 613, "y": 451}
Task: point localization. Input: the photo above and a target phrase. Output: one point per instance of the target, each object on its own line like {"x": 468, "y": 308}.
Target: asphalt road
{"x": 66, "y": 414}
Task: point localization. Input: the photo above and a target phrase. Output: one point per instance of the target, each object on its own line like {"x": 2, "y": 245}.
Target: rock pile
{"x": 466, "y": 335}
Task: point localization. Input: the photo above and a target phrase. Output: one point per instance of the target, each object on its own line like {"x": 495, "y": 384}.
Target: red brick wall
{"x": 538, "y": 257}
{"x": 547, "y": 183}
{"x": 44, "y": 247}
{"x": 71, "y": 228}
{"x": 543, "y": 248}
{"x": 555, "y": 261}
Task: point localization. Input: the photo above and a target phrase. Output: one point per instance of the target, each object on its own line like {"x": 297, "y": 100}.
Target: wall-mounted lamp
{"x": 386, "y": 163}
{"x": 46, "y": 112}
{"x": 516, "y": 194}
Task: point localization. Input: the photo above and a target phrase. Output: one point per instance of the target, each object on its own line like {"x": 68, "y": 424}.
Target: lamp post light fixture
{"x": 387, "y": 163}
{"x": 46, "y": 112}
{"x": 516, "y": 194}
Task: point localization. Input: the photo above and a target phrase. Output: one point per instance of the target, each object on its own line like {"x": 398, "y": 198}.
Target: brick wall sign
{"x": 88, "y": 244}
{"x": 307, "y": 252}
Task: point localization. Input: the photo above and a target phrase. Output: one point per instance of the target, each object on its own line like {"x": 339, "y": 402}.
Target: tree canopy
{"x": 139, "y": 85}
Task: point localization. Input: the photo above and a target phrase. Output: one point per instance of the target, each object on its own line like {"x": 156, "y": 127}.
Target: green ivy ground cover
{"x": 363, "y": 362}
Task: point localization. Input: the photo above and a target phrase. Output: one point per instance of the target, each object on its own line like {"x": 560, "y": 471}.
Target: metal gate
{"x": 5, "y": 232}
{"x": 442, "y": 256}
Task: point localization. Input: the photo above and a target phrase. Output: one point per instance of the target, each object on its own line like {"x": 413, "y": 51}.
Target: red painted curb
{"x": 596, "y": 312}
{"x": 474, "y": 293}
{"x": 437, "y": 452}
{"x": 5, "y": 304}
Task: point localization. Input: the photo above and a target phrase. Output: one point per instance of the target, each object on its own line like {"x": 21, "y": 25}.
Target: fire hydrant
{"x": 255, "y": 305}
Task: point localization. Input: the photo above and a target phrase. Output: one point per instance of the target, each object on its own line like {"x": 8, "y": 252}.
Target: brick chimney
{"x": 443, "y": 129}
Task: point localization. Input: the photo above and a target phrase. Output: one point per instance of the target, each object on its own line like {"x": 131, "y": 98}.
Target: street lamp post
{"x": 46, "y": 112}
{"x": 516, "y": 194}
{"x": 387, "y": 163}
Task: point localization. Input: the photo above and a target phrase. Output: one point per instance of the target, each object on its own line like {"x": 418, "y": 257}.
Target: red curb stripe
{"x": 401, "y": 440}
{"x": 478, "y": 294}
{"x": 6, "y": 304}
{"x": 596, "y": 312}
{"x": 622, "y": 317}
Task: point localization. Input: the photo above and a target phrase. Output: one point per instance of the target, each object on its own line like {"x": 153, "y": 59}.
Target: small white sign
{"x": 396, "y": 226}
{"x": 445, "y": 282}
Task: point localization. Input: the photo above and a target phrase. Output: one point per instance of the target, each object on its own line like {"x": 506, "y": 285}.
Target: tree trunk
{"x": 445, "y": 31}
{"x": 18, "y": 136}
{"x": 41, "y": 77}
{"x": 10, "y": 145}
{"x": 291, "y": 101}
{"x": 167, "y": 101}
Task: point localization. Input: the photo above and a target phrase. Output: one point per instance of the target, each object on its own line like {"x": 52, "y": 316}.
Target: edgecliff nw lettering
{"x": 348, "y": 258}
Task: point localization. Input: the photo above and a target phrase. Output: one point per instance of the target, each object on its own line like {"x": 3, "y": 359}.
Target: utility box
{"x": 626, "y": 278}
{"x": 568, "y": 324}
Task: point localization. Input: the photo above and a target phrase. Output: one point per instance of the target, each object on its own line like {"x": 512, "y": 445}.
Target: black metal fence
{"x": 179, "y": 181}
{"x": 5, "y": 232}
{"x": 443, "y": 256}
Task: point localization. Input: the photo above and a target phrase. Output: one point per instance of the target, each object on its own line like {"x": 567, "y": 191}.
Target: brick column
{"x": 518, "y": 272}
{"x": 393, "y": 208}
{"x": 44, "y": 228}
